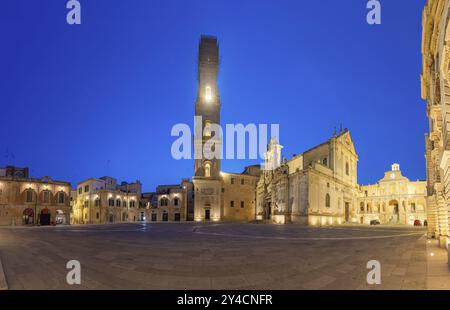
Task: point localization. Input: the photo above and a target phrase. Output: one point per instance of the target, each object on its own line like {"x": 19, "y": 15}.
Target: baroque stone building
{"x": 100, "y": 201}
{"x": 435, "y": 80}
{"x": 32, "y": 201}
{"x": 317, "y": 187}
{"x": 394, "y": 199}
{"x": 170, "y": 203}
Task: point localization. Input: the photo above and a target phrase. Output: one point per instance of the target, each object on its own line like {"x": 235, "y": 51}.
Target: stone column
{"x": 444, "y": 207}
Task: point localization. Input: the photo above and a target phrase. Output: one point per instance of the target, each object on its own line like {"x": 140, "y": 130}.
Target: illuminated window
{"x": 208, "y": 94}
{"x": 207, "y": 129}
{"x": 327, "y": 200}
{"x": 207, "y": 170}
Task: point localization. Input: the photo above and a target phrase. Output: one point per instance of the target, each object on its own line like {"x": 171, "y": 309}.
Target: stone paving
{"x": 214, "y": 256}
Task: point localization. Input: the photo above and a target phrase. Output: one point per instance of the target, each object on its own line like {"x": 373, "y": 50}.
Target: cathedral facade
{"x": 317, "y": 187}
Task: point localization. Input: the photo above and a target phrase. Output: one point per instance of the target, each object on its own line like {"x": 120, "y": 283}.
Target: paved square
{"x": 213, "y": 256}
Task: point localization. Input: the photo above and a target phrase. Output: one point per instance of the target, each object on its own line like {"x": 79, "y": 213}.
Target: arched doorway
{"x": 60, "y": 217}
{"x": 28, "y": 216}
{"x": 395, "y": 211}
{"x": 45, "y": 217}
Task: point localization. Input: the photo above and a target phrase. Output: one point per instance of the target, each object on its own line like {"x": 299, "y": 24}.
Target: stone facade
{"x": 101, "y": 201}
{"x": 239, "y": 196}
{"x": 317, "y": 187}
{"x": 171, "y": 203}
{"x": 30, "y": 201}
{"x": 435, "y": 80}
{"x": 394, "y": 199}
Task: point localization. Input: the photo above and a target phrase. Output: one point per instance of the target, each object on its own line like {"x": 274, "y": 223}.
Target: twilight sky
{"x": 101, "y": 98}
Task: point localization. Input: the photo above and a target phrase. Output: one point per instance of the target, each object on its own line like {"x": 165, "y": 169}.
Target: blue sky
{"x": 101, "y": 98}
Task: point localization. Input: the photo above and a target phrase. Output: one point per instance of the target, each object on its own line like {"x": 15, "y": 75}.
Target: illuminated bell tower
{"x": 207, "y": 179}
{"x": 207, "y": 105}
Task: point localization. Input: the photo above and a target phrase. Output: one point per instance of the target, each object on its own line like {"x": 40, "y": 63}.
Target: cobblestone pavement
{"x": 213, "y": 256}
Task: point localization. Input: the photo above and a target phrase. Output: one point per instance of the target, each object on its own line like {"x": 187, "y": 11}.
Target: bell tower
{"x": 207, "y": 178}
{"x": 207, "y": 106}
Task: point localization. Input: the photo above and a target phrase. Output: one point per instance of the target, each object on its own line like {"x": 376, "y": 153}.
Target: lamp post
{"x": 35, "y": 203}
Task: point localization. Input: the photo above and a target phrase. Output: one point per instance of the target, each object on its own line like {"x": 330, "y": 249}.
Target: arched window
{"x": 111, "y": 202}
{"x": 175, "y": 201}
{"x": 97, "y": 202}
{"x": 208, "y": 94}
{"x": 61, "y": 197}
{"x": 46, "y": 196}
{"x": 207, "y": 129}
{"x": 29, "y": 195}
{"x": 164, "y": 202}
{"x": 347, "y": 169}
{"x": 361, "y": 206}
{"x": 327, "y": 200}
{"x": 207, "y": 170}
{"x": 118, "y": 203}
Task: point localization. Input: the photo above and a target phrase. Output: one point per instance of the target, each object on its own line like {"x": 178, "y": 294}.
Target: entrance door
{"x": 44, "y": 217}
{"x": 207, "y": 215}
{"x": 28, "y": 217}
{"x": 347, "y": 212}
{"x": 165, "y": 217}
{"x": 153, "y": 217}
{"x": 177, "y": 217}
{"x": 269, "y": 211}
{"x": 396, "y": 214}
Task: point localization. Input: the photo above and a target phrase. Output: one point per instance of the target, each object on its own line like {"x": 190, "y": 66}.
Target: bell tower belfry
{"x": 207, "y": 178}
